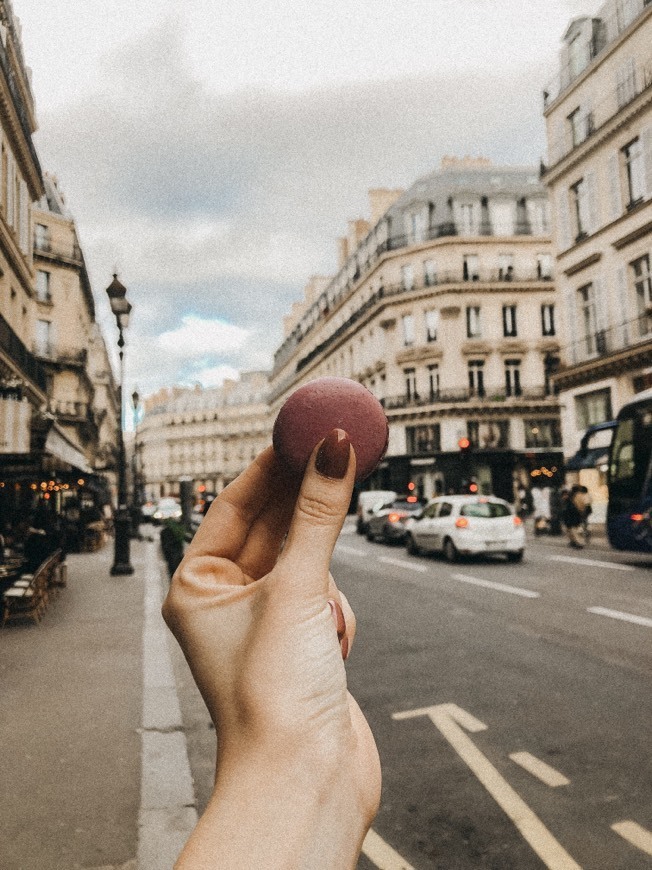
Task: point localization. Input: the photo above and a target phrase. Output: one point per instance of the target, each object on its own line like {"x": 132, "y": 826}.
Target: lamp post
{"x": 121, "y": 309}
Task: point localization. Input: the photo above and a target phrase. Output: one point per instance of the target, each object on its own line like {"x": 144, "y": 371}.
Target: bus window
{"x": 622, "y": 465}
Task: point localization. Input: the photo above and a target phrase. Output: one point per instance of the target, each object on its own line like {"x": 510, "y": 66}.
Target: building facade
{"x": 598, "y": 115}
{"x": 206, "y": 435}
{"x": 67, "y": 340}
{"x": 444, "y": 307}
{"x": 23, "y": 382}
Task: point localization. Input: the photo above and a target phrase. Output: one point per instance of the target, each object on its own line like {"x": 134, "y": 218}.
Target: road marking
{"x": 498, "y": 587}
{"x": 595, "y": 562}
{"x": 403, "y": 563}
{"x": 450, "y": 719}
{"x": 343, "y": 548}
{"x": 540, "y": 769}
{"x": 619, "y": 614}
{"x": 382, "y": 855}
{"x": 635, "y": 834}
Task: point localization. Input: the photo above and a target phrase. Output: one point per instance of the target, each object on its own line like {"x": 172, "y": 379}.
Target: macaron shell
{"x": 322, "y": 405}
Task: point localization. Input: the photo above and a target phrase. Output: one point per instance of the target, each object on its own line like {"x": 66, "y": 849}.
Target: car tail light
{"x": 636, "y": 518}
{"x": 394, "y": 518}
{"x": 462, "y": 523}
{"x": 518, "y": 521}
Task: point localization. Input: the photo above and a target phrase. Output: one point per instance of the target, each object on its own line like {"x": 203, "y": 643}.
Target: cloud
{"x": 224, "y": 204}
{"x": 197, "y": 337}
{"x": 215, "y": 376}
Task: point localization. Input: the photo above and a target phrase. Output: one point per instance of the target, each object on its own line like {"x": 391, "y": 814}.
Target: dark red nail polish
{"x": 338, "y": 616}
{"x": 345, "y": 648}
{"x": 333, "y": 455}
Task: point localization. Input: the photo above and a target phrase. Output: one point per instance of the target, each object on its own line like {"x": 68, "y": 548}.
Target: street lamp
{"x": 121, "y": 309}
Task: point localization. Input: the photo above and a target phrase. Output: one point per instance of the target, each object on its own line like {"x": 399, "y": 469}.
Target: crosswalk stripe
{"x": 382, "y": 855}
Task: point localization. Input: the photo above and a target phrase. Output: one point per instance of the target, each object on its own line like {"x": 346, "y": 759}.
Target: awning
{"x": 57, "y": 445}
{"x": 591, "y": 458}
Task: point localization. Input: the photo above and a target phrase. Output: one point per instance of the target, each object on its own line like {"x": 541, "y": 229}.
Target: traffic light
{"x": 465, "y": 446}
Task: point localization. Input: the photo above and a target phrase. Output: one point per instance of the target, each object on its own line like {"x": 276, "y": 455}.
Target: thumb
{"x": 319, "y": 513}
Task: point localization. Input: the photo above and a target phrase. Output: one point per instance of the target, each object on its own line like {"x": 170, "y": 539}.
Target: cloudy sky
{"x": 213, "y": 155}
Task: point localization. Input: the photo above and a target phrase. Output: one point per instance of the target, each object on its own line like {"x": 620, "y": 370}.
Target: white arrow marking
{"x": 540, "y": 769}
{"x": 450, "y": 719}
{"x": 382, "y": 855}
{"x": 634, "y": 834}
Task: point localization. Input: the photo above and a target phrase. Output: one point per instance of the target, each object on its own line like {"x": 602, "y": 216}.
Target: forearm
{"x": 278, "y": 816}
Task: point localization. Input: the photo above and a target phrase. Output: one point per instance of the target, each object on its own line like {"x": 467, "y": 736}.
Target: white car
{"x": 167, "y": 509}
{"x": 467, "y": 525}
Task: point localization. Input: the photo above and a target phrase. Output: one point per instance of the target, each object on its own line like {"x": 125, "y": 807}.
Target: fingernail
{"x": 333, "y": 456}
{"x": 338, "y": 616}
{"x": 345, "y": 648}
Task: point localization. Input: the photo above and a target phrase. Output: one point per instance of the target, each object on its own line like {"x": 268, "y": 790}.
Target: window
{"x": 579, "y": 192}
{"x": 433, "y": 381}
{"x": 432, "y": 324}
{"x": 493, "y": 435}
{"x": 41, "y": 237}
{"x": 471, "y": 271}
{"x": 578, "y": 56}
{"x": 408, "y": 329}
{"x": 545, "y": 432}
{"x": 512, "y": 377}
{"x": 544, "y": 267}
{"x": 509, "y": 321}
{"x": 588, "y": 317}
{"x": 423, "y": 439}
{"x": 473, "y": 323}
{"x": 575, "y": 123}
{"x": 476, "y": 378}
{"x": 429, "y": 273}
{"x": 592, "y": 408}
{"x": 548, "y": 319}
{"x": 468, "y": 224}
{"x": 485, "y": 509}
{"x": 635, "y": 166}
{"x": 42, "y": 345}
{"x": 415, "y": 226}
{"x": 43, "y": 286}
{"x": 626, "y": 82}
{"x": 539, "y": 215}
{"x": 505, "y": 267}
{"x": 643, "y": 290}
{"x": 407, "y": 277}
{"x": 502, "y": 218}
{"x": 410, "y": 384}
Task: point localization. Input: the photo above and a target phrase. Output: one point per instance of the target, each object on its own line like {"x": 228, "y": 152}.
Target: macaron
{"x": 320, "y": 406}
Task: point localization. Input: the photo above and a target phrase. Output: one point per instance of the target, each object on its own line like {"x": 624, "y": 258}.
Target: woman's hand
{"x": 265, "y": 631}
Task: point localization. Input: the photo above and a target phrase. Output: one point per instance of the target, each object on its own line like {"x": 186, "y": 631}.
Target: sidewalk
{"x": 87, "y": 695}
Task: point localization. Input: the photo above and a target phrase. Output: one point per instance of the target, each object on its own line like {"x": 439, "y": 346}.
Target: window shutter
{"x": 570, "y": 331}
{"x": 623, "y": 307}
{"x": 563, "y": 219}
{"x": 592, "y": 201}
{"x": 615, "y": 199}
{"x": 646, "y": 140}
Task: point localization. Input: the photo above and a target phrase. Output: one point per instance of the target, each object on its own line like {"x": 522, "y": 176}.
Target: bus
{"x": 629, "y": 512}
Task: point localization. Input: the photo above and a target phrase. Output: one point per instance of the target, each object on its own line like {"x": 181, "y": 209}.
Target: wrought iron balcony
{"x": 26, "y": 363}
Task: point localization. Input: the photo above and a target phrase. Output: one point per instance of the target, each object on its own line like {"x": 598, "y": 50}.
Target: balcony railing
{"x": 25, "y": 362}
{"x": 45, "y": 247}
{"x": 388, "y": 291}
{"x": 612, "y": 340}
{"x": 464, "y": 395}
{"x": 72, "y": 411}
{"x": 62, "y": 355}
{"x": 611, "y": 102}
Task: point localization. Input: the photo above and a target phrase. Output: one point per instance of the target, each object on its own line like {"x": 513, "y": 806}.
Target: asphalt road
{"x": 513, "y": 720}
{"x": 511, "y": 704}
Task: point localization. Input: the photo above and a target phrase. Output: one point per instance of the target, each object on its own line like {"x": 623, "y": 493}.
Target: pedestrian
{"x": 574, "y": 516}
{"x": 265, "y": 631}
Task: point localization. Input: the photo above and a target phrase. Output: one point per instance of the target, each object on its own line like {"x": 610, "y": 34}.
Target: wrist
{"x": 273, "y": 812}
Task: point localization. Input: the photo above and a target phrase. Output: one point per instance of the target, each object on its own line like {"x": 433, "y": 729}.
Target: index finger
{"x": 223, "y": 531}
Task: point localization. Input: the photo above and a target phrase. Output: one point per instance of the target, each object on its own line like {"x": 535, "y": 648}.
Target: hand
{"x": 298, "y": 777}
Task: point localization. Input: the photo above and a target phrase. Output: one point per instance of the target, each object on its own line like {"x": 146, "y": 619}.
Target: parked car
{"x": 367, "y": 501}
{"x": 465, "y": 525}
{"x": 147, "y": 511}
{"x": 387, "y": 520}
{"x": 167, "y": 508}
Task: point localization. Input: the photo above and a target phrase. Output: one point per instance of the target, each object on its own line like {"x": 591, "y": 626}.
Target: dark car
{"x": 387, "y": 522}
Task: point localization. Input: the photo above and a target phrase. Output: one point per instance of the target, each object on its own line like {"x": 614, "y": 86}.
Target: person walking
{"x": 575, "y": 514}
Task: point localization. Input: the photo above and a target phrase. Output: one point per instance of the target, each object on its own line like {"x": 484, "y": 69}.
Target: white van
{"x": 367, "y": 501}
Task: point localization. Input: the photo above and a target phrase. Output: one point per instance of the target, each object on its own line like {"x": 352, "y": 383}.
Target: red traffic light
{"x": 464, "y": 443}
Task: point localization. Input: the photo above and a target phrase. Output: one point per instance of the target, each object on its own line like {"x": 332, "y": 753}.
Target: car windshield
{"x": 405, "y": 505}
{"x": 488, "y": 509}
